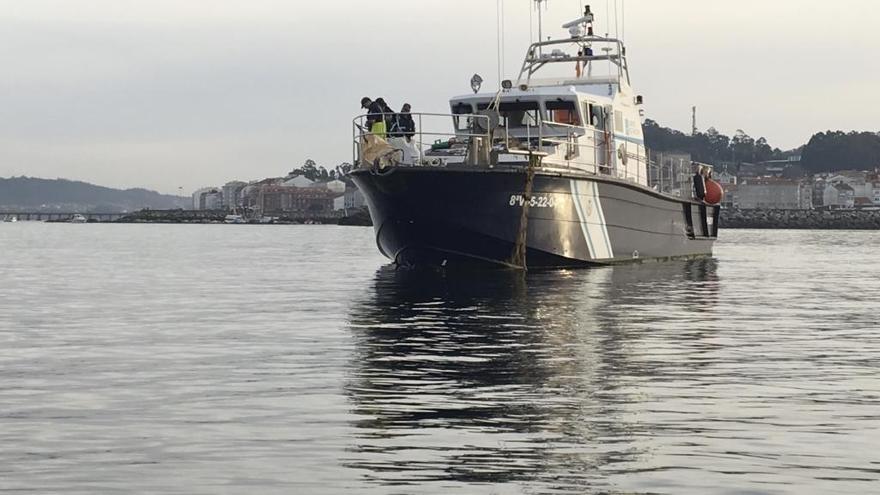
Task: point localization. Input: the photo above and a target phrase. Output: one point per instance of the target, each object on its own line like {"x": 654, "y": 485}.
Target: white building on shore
{"x": 774, "y": 194}
{"x": 207, "y": 198}
{"x": 838, "y": 195}
{"x": 232, "y": 194}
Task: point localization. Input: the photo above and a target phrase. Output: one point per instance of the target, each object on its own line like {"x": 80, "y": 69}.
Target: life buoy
{"x": 714, "y": 192}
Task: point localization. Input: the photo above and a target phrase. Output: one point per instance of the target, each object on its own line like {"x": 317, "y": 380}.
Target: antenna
{"x": 616, "y": 24}
{"x": 498, "y": 26}
{"x": 503, "y": 44}
{"x": 538, "y": 4}
{"x": 607, "y": 17}
{"x": 531, "y": 27}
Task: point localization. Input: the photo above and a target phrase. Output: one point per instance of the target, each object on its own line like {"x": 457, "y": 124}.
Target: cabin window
{"x": 462, "y": 123}
{"x": 597, "y": 116}
{"x": 618, "y": 122}
{"x": 518, "y": 114}
{"x": 462, "y": 108}
{"x": 563, "y": 112}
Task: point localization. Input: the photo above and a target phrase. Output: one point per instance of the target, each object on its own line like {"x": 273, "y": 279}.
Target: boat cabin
{"x": 572, "y": 105}
{"x": 576, "y": 128}
{"x": 581, "y": 112}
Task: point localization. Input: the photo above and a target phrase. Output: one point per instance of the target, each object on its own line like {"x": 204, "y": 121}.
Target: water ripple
{"x": 201, "y": 359}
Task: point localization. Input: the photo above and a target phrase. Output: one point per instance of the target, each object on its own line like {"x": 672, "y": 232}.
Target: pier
{"x": 219, "y": 216}
{"x": 44, "y": 216}
{"x": 354, "y": 217}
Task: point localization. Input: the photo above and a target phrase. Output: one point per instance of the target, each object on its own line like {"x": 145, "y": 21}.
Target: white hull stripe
{"x": 602, "y": 221}
{"x": 592, "y": 219}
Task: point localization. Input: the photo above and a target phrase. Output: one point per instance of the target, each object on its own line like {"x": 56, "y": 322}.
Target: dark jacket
{"x": 699, "y": 187}
{"x": 402, "y": 125}
{"x": 407, "y": 125}
{"x": 374, "y": 114}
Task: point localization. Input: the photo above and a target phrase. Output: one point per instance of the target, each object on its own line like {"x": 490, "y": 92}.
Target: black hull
{"x": 446, "y": 217}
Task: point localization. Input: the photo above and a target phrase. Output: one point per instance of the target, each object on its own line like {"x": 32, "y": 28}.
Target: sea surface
{"x": 209, "y": 359}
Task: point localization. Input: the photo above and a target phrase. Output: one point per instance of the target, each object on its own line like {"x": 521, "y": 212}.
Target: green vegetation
{"x": 836, "y": 150}
{"x": 711, "y": 146}
{"x": 825, "y": 152}
{"x": 310, "y": 170}
{"x": 26, "y": 193}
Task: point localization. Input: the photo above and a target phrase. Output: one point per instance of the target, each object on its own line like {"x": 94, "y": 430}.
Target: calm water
{"x": 240, "y": 359}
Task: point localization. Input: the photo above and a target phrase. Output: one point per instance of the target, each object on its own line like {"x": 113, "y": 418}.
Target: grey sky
{"x": 186, "y": 93}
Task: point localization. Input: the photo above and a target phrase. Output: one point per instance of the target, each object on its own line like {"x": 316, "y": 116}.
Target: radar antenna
{"x": 579, "y": 29}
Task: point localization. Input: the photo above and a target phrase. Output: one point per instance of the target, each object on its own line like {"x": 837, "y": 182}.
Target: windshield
{"x": 462, "y": 124}
{"x": 519, "y": 114}
{"x": 563, "y": 112}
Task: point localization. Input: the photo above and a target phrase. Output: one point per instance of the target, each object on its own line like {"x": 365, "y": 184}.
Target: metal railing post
{"x": 529, "y": 134}
{"x": 540, "y": 132}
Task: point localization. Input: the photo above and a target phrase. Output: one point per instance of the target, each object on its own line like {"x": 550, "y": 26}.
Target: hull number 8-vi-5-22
{"x": 534, "y": 201}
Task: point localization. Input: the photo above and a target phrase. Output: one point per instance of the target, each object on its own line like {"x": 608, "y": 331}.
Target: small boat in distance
{"x": 551, "y": 170}
{"x": 77, "y": 218}
{"x": 10, "y": 219}
{"x": 234, "y": 219}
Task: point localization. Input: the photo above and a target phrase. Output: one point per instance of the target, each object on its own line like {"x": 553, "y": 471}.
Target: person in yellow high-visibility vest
{"x": 375, "y": 120}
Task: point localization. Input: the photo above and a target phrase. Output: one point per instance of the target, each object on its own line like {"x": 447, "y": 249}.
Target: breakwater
{"x": 354, "y": 217}
{"x": 801, "y": 219}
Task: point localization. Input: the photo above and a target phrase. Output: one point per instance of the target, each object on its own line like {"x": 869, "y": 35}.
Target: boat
{"x": 78, "y": 218}
{"x": 551, "y": 170}
{"x": 10, "y": 218}
{"x": 234, "y": 219}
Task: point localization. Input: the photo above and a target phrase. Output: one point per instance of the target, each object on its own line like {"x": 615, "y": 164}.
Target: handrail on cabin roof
{"x": 535, "y": 60}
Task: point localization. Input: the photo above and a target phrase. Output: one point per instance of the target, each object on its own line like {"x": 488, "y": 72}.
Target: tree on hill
{"x": 665, "y": 139}
{"x": 716, "y": 147}
{"x": 742, "y": 147}
{"x": 36, "y": 193}
{"x": 764, "y": 152}
{"x": 310, "y": 170}
{"x": 837, "y": 150}
{"x": 710, "y": 146}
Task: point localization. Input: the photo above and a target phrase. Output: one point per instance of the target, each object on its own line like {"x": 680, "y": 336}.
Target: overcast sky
{"x": 185, "y": 93}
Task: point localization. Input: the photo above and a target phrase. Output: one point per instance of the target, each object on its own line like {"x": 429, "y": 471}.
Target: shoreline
{"x": 735, "y": 219}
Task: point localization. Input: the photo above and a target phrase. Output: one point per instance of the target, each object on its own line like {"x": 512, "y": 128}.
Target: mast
{"x": 538, "y": 4}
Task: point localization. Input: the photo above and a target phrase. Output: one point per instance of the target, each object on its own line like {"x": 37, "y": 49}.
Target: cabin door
{"x": 598, "y": 125}
{"x": 602, "y": 150}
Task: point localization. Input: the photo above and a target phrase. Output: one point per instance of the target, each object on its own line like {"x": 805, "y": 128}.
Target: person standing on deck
{"x": 388, "y": 114}
{"x": 400, "y": 135}
{"x": 405, "y": 122}
{"x": 700, "y": 183}
{"x": 375, "y": 121}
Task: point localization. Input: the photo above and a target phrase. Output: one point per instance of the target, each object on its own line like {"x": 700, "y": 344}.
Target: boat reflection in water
{"x": 505, "y": 378}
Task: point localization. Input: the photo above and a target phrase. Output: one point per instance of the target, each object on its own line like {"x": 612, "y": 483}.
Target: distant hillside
{"x": 25, "y": 193}
{"x": 825, "y": 152}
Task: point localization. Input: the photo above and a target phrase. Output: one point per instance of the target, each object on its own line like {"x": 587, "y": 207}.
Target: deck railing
{"x": 395, "y": 146}
{"x": 599, "y": 158}
{"x": 474, "y": 141}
